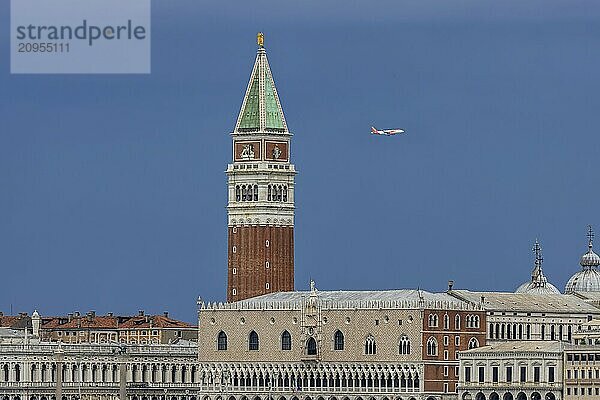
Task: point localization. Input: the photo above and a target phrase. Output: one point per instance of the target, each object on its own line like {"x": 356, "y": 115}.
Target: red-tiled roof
{"x": 154, "y": 321}
{"x": 15, "y": 321}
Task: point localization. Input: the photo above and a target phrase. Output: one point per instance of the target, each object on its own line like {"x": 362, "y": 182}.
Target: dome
{"x": 588, "y": 279}
{"x": 590, "y": 259}
{"x": 529, "y": 287}
{"x": 539, "y": 283}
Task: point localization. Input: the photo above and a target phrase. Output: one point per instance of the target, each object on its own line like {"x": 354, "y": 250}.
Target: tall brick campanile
{"x": 260, "y": 192}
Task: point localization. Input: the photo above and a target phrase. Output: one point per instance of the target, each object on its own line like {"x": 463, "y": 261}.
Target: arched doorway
{"x": 507, "y": 396}
{"x": 550, "y": 396}
{"x": 521, "y": 396}
{"x": 480, "y": 396}
{"x": 536, "y": 396}
{"x": 467, "y": 396}
{"x": 494, "y": 396}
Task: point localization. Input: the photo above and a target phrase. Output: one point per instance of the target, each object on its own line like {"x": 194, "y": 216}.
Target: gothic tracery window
{"x": 338, "y": 340}
{"x": 404, "y": 347}
{"x": 433, "y": 320}
{"x": 222, "y": 341}
{"x": 432, "y": 347}
{"x": 370, "y": 345}
{"x": 286, "y": 341}
{"x": 473, "y": 343}
{"x": 253, "y": 341}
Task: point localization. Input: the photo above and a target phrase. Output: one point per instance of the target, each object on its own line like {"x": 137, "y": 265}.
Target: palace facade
{"x": 381, "y": 344}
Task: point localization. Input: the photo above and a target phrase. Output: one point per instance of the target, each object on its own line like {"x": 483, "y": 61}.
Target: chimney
{"x": 69, "y": 316}
{"x": 77, "y": 314}
{"x": 166, "y": 314}
{"x": 110, "y": 314}
{"x": 140, "y": 313}
{"x": 482, "y": 299}
{"x": 450, "y": 285}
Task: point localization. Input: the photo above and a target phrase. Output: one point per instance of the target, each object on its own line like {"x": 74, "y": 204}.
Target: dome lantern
{"x": 588, "y": 278}
{"x": 539, "y": 283}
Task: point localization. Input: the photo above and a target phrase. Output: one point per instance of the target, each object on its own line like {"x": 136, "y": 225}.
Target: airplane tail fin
{"x": 373, "y": 130}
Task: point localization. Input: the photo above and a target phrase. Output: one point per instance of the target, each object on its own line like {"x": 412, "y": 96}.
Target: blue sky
{"x": 113, "y": 192}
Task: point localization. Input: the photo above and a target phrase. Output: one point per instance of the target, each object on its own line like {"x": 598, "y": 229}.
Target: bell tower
{"x": 260, "y": 208}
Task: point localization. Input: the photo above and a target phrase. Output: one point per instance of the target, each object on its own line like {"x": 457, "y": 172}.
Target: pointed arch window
{"x": 286, "y": 341}
{"x": 255, "y": 192}
{"x": 253, "y": 341}
{"x": 433, "y": 320}
{"x": 457, "y": 322}
{"x": 473, "y": 343}
{"x": 432, "y": 347}
{"x": 222, "y": 341}
{"x": 404, "y": 347}
{"x": 370, "y": 345}
{"x": 237, "y": 193}
{"x": 446, "y": 321}
{"x": 311, "y": 347}
{"x": 338, "y": 340}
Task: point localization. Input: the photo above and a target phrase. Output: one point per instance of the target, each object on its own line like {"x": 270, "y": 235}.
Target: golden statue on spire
{"x": 260, "y": 39}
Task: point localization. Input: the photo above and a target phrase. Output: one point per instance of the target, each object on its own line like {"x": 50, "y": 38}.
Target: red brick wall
{"x": 251, "y": 255}
{"x": 434, "y": 365}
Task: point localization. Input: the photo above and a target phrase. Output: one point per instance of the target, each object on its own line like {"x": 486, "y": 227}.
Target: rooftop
{"x": 527, "y": 302}
{"x": 403, "y": 298}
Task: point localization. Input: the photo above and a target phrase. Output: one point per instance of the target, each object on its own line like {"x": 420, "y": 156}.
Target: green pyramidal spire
{"x": 261, "y": 110}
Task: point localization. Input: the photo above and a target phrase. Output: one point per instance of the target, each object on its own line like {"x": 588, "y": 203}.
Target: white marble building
{"x": 528, "y": 370}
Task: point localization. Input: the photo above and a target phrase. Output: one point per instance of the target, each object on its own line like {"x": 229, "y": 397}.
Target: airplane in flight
{"x": 386, "y": 132}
